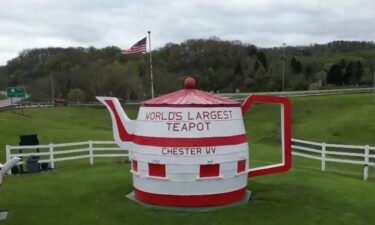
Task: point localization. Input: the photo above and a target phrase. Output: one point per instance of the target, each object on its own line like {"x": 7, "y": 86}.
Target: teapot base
{"x": 199, "y": 203}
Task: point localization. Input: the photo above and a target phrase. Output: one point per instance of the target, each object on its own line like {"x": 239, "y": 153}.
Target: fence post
{"x": 323, "y": 166}
{"x": 366, "y": 161}
{"x": 91, "y": 153}
{"x": 7, "y": 156}
{"x": 51, "y": 158}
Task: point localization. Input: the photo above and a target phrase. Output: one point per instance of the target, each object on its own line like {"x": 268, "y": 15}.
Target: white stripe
{"x": 183, "y": 122}
{"x": 235, "y": 113}
{"x": 231, "y": 153}
{"x": 201, "y": 187}
{"x": 200, "y": 129}
{"x": 191, "y": 160}
{"x": 168, "y": 152}
{"x": 190, "y": 172}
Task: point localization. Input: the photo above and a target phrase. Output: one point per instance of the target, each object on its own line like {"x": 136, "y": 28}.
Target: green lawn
{"x": 77, "y": 193}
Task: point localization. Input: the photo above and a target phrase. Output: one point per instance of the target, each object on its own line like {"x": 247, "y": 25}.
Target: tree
{"x": 358, "y": 72}
{"x": 76, "y": 95}
{"x": 238, "y": 70}
{"x": 296, "y": 66}
{"x": 348, "y": 76}
{"x": 343, "y": 63}
{"x": 216, "y": 64}
{"x": 321, "y": 77}
{"x": 261, "y": 61}
{"x": 4, "y": 79}
{"x": 335, "y": 75}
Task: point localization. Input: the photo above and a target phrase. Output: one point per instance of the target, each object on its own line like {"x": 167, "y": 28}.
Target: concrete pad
{"x": 3, "y": 215}
{"x": 244, "y": 201}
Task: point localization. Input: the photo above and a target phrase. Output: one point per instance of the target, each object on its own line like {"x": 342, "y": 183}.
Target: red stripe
{"x": 188, "y": 105}
{"x": 124, "y": 135}
{"x": 190, "y": 200}
{"x": 190, "y": 142}
{"x": 136, "y": 51}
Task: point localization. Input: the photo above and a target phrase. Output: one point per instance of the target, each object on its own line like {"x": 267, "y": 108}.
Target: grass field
{"x": 77, "y": 193}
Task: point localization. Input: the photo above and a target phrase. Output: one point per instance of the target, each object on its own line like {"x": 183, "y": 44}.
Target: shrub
{"x": 76, "y": 95}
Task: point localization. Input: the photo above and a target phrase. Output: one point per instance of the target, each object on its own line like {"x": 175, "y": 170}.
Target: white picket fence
{"x": 350, "y": 154}
{"x": 52, "y": 153}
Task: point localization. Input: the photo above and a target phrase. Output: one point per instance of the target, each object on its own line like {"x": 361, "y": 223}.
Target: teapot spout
{"x": 7, "y": 166}
{"x": 123, "y": 127}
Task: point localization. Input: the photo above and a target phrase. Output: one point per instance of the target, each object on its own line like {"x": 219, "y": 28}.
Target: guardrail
{"x": 235, "y": 96}
{"x": 350, "y": 154}
{"x": 242, "y": 96}
{"x": 52, "y": 153}
{"x": 49, "y": 104}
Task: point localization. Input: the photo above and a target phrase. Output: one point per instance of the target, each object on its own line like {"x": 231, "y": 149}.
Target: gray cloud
{"x": 265, "y": 23}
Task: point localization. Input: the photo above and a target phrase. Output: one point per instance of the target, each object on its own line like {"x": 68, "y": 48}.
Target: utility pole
{"x": 151, "y": 75}
{"x": 52, "y": 90}
{"x": 284, "y": 66}
{"x": 50, "y": 79}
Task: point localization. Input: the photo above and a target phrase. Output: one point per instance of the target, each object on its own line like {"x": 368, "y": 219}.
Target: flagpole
{"x": 151, "y": 75}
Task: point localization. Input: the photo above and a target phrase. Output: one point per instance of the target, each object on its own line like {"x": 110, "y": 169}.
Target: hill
{"x": 81, "y": 73}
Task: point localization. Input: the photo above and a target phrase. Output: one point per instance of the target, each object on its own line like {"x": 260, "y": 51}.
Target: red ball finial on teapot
{"x": 189, "y": 83}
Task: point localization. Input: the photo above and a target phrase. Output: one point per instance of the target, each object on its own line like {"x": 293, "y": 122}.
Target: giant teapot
{"x": 189, "y": 148}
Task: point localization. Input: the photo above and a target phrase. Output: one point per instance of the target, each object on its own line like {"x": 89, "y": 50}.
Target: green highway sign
{"x": 16, "y": 92}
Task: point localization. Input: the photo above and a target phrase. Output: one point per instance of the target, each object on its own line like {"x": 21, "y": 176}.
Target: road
{"x": 242, "y": 96}
{"x": 236, "y": 96}
{"x": 6, "y": 102}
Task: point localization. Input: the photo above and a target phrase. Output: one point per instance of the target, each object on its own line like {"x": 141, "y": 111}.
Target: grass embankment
{"x": 77, "y": 193}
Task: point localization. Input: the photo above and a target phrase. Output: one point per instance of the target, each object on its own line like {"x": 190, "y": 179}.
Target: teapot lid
{"x": 190, "y": 97}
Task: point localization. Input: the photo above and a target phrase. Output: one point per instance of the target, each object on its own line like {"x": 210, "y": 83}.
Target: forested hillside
{"x": 225, "y": 66}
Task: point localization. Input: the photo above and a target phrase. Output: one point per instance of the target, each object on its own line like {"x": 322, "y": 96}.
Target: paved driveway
{"x": 4, "y": 103}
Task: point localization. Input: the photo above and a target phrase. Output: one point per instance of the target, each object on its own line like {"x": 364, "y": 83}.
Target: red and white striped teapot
{"x": 189, "y": 149}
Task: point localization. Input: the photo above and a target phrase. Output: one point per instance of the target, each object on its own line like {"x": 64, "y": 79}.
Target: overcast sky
{"x": 265, "y": 23}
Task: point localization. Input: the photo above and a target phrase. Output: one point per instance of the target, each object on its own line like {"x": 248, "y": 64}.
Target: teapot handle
{"x": 285, "y": 133}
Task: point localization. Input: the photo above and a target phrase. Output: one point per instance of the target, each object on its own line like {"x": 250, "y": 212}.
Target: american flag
{"x": 139, "y": 47}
